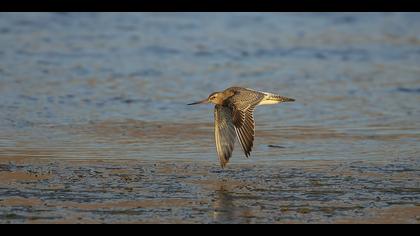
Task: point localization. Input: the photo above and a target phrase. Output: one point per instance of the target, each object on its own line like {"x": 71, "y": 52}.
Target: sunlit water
{"x": 92, "y": 85}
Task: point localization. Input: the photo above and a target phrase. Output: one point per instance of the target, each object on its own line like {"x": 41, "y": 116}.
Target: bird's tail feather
{"x": 271, "y": 98}
{"x": 279, "y": 98}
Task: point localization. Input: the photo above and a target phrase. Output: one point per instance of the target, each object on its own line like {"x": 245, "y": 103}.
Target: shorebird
{"x": 233, "y": 116}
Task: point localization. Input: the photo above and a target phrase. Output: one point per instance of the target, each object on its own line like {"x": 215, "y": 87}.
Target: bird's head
{"x": 215, "y": 98}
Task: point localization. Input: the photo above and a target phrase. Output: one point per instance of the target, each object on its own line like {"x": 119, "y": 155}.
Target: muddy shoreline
{"x": 41, "y": 190}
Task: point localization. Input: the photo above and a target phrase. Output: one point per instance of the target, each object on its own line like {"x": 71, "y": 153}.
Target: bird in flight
{"x": 233, "y": 116}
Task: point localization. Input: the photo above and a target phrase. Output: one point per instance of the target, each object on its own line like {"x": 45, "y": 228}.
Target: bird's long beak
{"x": 199, "y": 102}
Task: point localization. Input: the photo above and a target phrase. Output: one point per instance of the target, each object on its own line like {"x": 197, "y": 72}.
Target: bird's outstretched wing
{"x": 224, "y": 133}
{"x": 244, "y": 123}
{"x": 243, "y": 104}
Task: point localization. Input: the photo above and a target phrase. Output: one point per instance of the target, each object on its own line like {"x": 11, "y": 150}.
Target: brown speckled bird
{"x": 233, "y": 114}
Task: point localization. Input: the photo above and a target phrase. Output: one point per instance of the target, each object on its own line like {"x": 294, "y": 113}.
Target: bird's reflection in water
{"x": 229, "y": 208}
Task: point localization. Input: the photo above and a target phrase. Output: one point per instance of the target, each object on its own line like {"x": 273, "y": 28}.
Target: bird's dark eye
{"x": 213, "y": 97}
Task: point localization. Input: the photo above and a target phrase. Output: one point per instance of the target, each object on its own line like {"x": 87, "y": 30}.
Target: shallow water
{"x": 114, "y": 87}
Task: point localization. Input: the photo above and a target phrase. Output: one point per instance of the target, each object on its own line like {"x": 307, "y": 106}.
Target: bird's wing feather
{"x": 245, "y": 128}
{"x": 244, "y": 98}
{"x": 243, "y": 104}
{"x": 224, "y": 133}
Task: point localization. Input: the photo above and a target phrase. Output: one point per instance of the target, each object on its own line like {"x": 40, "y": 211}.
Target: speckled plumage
{"x": 233, "y": 114}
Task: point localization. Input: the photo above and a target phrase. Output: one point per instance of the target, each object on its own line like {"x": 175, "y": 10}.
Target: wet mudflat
{"x": 90, "y": 185}
{"x": 94, "y": 126}
{"x": 130, "y": 191}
